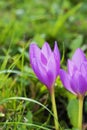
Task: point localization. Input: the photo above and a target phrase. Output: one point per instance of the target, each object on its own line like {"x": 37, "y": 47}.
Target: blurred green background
{"x": 26, "y": 21}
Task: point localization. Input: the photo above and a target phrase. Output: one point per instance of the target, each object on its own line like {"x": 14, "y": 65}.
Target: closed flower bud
{"x": 45, "y": 63}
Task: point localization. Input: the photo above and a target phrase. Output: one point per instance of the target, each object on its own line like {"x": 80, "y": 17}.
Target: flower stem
{"x": 80, "y": 112}
{"x": 54, "y": 109}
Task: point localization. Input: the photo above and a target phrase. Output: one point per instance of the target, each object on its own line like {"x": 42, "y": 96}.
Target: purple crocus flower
{"x": 75, "y": 79}
{"x": 45, "y": 63}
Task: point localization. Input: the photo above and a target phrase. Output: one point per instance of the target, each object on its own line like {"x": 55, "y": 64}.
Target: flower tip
{"x": 55, "y": 42}
{"x": 79, "y": 51}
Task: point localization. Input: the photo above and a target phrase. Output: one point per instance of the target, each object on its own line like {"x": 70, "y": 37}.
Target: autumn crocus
{"x": 46, "y": 64}
{"x": 75, "y": 79}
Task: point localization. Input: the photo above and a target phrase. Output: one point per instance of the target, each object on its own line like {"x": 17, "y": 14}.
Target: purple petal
{"x": 43, "y": 59}
{"x": 46, "y": 50}
{"x": 51, "y": 70}
{"x": 56, "y": 52}
{"x": 40, "y": 72}
{"x": 51, "y": 66}
{"x": 83, "y": 70}
{"x": 34, "y": 52}
{"x": 78, "y": 57}
{"x": 66, "y": 80}
{"x": 57, "y": 57}
{"x": 71, "y": 67}
{"x": 82, "y": 85}
{"x": 78, "y": 83}
{"x": 51, "y": 79}
{"x": 51, "y": 73}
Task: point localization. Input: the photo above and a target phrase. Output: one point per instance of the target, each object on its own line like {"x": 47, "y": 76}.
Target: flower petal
{"x": 51, "y": 66}
{"x": 78, "y": 83}
{"x": 78, "y": 57}
{"x": 46, "y": 50}
{"x": 71, "y": 67}
{"x": 40, "y": 72}
{"x": 51, "y": 79}
{"x": 83, "y": 69}
{"x": 66, "y": 80}
{"x": 51, "y": 73}
{"x": 34, "y": 52}
{"x": 43, "y": 59}
{"x": 82, "y": 85}
{"x": 57, "y": 57}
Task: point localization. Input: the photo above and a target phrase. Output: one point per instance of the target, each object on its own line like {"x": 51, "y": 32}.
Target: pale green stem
{"x": 80, "y": 116}
{"x": 54, "y": 109}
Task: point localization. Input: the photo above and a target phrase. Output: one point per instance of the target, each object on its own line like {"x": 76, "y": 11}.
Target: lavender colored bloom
{"x": 45, "y": 63}
{"x": 75, "y": 79}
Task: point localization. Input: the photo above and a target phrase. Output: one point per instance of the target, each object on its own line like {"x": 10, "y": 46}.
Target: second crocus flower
{"x": 75, "y": 79}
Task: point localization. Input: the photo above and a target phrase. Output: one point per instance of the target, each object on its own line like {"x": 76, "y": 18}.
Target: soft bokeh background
{"x": 26, "y": 21}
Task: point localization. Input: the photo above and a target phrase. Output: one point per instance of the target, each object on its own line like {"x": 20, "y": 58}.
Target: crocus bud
{"x": 75, "y": 79}
{"x": 45, "y": 63}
